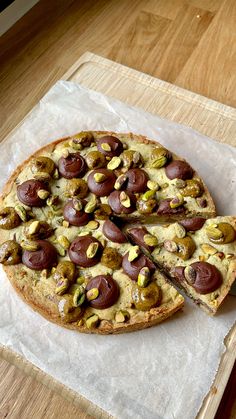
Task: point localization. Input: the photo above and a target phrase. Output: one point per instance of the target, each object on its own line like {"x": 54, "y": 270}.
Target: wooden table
{"x": 182, "y": 42}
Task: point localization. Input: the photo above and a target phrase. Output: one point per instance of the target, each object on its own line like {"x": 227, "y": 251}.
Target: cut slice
{"x": 198, "y": 255}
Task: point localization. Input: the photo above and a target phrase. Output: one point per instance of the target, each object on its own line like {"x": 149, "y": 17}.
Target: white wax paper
{"x": 162, "y": 372}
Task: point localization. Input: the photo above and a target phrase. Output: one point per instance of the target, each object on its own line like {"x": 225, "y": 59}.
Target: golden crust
{"x": 28, "y": 294}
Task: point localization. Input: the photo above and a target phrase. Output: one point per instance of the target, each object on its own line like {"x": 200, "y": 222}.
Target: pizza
{"x": 64, "y": 245}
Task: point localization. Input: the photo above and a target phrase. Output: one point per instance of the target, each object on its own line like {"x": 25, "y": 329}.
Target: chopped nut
{"x": 42, "y": 176}
{"x": 120, "y": 181}
{"x": 33, "y": 228}
{"x": 91, "y": 205}
{"x": 207, "y": 248}
{"x": 106, "y": 147}
{"x": 43, "y": 194}
{"x": 62, "y": 286}
{"x": 75, "y": 145}
{"x": 56, "y": 174}
{"x": 202, "y": 258}
{"x": 213, "y": 232}
{"x": 77, "y": 204}
{"x": 92, "y": 294}
{"x": 229, "y": 255}
{"x": 92, "y": 321}
{"x": 65, "y": 153}
{"x": 92, "y": 225}
{"x": 79, "y": 296}
{"x": 21, "y": 211}
{"x": 29, "y": 245}
{"x": 170, "y": 246}
{"x": 99, "y": 177}
{"x": 150, "y": 240}
{"x": 190, "y": 274}
{"x": 125, "y": 200}
{"x": 63, "y": 241}
{"x": 92, "y": 250}
{"x": 114, "y": 163}
{"x": 180, "y": 231}
{"x": 152, "y": 185}
{"x": 65, "y": 223}
{"x": 159, "y": 162}
{"x": 122, "y": 316}
{"x": 177, "y": 201}
{"x": 52, "y": 200}
{"x": 80, "y": 280}
{"x": 149, "y": 194}
{"x": 143, "y": 277}
{"x": 180, "y": 183}
{"x": 134, "y": 252}
{"x": 61, "y": 251}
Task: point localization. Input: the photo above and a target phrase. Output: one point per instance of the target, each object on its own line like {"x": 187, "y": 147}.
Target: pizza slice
{"x": 198, "y": 255}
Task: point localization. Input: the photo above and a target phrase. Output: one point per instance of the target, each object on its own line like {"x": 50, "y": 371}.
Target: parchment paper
{"x": 163, "y": 372}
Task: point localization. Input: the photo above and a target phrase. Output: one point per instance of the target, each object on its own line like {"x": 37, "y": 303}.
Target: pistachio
{"x": 61, "y": 251}
{"x": 64, "y": 269}
{"x": 79, "y": 296}
{"x": 63, "y": 241}
{"x": 21, "y": 211}
{"x": 34, "y": 227}
{"x": 52, "y": 200}
{"x": 164, "y": 185}
{"x": 180, "y": 183}
{"x": 76, "y": 187}
{"x": 134, "y": 252}
{"x": 193, "y": 188}
{"x": 43, "y": 164}
{"x": 131, "y": 158}
{"x": 44, "y": 176}
{"x": 148, "y": 195}
{"x": 213, "y": 232}
{"x": 207, "y": 248}
{"x": 75, "y": 145}
{"x": 92, "y": 250}
{"x": 170, "y": 246}
{"x": 80, "y": 322}
{"x": 83, "y": 139}
{"x": 120, "y": 181}
{"x": 99, "y": 177}
{"x": 177, "y": 201}
{"x": 62, "y": 286}
{"x": 80, "y": 280}
{"x": 77, "y": 204}
{"x": 29, "y": 245}
{"x": 95, "y": 160}
{"x": 65, "y": 224}
{"x": 92, "y": 321}
{"x": 114, "y": 163}
{"x": 159, "y": 162}
{"x": 10, "y": 253}
{"x": 122, "y": 316}
{"x": 92, "y": 225}
{"x": 144, "y": 277}
{"x": 152, "y": 185}
{"x": 43, "y": 194}
{"x": 229, "y": 255}
{"x": 91, "y": 205}
{"x": 102, "y": 212}
{"x": 125, "y": 200}
{"x": 55, "y": 174}
{"x": 106, "y": 147}
{"x": 190, "y": 274}
{"x": 150, "y": 240}
{"x": 186, "y": 247}
{"x": 202, "y": 258}
{"x": 146, "y": 207}
{"x": 180, "y": 230}
{"x": 111, "y": 258}
{"x": 65, "y": 153}
{"x": 92, "y": 294}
